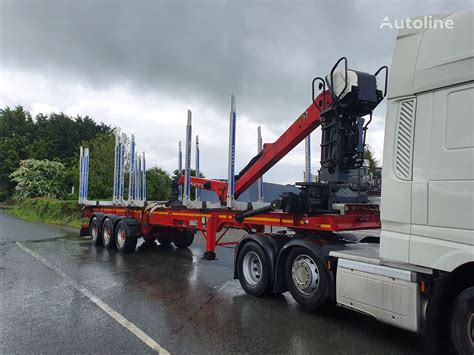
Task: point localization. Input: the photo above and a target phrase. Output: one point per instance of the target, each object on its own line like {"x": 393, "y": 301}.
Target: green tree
{"x": 16, "y": 128}
{"x": 101, "y": 166}
{"x": 52, "y": 137}
{"x": 57, "y": 135}
{"x": 37, "y": 178}
{"x": 369, "y": 155}
{"x": 158, "y": 184}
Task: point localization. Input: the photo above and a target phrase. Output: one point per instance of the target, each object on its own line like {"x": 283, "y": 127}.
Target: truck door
{"x": 443, "y": 178}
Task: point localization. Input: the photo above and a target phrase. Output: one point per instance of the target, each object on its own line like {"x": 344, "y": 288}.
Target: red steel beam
{"x": 199, "y": 219}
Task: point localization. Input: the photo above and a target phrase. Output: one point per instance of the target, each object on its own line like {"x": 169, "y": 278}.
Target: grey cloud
{"x": 265, "y": 52}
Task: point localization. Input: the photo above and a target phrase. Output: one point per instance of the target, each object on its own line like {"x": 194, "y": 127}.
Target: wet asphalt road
{"x": 187, "y": 305}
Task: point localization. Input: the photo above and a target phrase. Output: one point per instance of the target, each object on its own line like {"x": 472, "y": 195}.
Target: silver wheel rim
{"x": 121, "y": 237}
{"x": 252, "y": 268}
{"x": 94, "y": 230}
{"x": 106, "y": 234}
{"x": 470, "y": 329}
{"x": 305, "y": 274}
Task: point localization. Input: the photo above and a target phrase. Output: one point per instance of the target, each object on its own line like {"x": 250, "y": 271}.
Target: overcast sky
{"x": 140, "y": 65}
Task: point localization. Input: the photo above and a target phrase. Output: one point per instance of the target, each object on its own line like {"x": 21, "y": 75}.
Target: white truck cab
{"x": 421, "y": 277}
{"x": 427, "y": 208}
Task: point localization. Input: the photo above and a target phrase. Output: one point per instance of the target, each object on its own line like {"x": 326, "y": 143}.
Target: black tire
{"x": 184, "y": 239}
{"x": 95, "y": 232}
{"x": 461, "y": 322}
{"x": 108, "y": 235}
{"x": 164, "y": 240}
{"x": 125, "y": 241}
{"x": 253, "y": 270}
{"x": 307, "y": 278}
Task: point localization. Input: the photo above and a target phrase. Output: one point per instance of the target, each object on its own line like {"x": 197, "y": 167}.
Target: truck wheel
{"x": 124, "y": 240}
{"x": 164, "y": 240}
{"x": 96, "y": 236}
{"x": 108, "y": 237}
{"x": 183, "y": 240}
{"x": 462, "y": 322}
{"x": 253, "y": 270}
{"x": 307, "y": 278}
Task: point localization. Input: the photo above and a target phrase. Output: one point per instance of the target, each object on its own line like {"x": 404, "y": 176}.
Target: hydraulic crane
{"x": 345, "y": 97}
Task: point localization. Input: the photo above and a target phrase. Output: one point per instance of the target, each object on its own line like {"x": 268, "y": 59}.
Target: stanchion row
{"x": 137, "y": 167}
{"x": 137, "y": 174}
{"x": 184, "y": 190}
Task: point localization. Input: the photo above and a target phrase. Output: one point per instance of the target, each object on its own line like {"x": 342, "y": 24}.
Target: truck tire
{"x": 164, "y": 240}
{"x": 96, "y": 235}
{"x": 125, "y": 241}
{"x": 462, "y": 322}
{"x": 108, "y": 235}
{"x": 253, "y": 270}
{"x": 184, "y": 239}
{"x": 307, "y": 278}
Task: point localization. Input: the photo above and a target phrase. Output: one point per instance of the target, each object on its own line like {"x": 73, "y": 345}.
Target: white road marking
{"x": 132, "y": 328}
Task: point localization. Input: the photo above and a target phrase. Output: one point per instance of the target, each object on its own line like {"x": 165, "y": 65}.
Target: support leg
{"x": 210, "y": 253}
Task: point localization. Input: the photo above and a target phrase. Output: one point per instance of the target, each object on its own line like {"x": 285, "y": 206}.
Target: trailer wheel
{"x": 307, "y": 278}
{"x": 253, "y": 270}
{"x": 184, "y": 239}
{"x": 96, "y": 236}
{"x": 108, "y": 236}
{"x": 124, "y": 240}
{"x": 462, "y": 322}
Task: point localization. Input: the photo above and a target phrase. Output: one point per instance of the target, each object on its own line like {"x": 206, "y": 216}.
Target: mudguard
{"x": 437, "y": 317}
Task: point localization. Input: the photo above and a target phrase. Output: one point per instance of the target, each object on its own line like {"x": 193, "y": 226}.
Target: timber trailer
{"x": 419, "y": 275}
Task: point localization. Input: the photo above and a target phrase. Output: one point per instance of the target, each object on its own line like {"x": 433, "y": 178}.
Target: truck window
{"x": 459, "y": 130}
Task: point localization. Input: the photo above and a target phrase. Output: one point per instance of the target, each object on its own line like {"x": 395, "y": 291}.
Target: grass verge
{"x": 48, "y": 210}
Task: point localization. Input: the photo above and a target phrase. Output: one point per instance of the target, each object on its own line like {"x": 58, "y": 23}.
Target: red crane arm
{"x": 271, "y": 153}
{"x": 219, "y": 187}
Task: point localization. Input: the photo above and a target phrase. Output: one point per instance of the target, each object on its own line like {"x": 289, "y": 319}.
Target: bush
{"x": 36, "y": 178}
{"x": 48, "y": 210}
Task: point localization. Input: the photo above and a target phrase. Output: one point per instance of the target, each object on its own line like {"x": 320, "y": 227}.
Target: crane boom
{"x": 271, "y": 153}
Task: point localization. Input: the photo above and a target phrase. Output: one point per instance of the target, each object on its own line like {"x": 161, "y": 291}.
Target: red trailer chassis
{"x": 211, "y": 222}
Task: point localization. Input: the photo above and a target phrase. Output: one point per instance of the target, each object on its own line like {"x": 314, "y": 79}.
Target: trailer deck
{"x": 211, "y": 222}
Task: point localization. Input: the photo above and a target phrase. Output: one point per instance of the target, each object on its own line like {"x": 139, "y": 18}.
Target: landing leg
{"x": 210, "y": 253}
